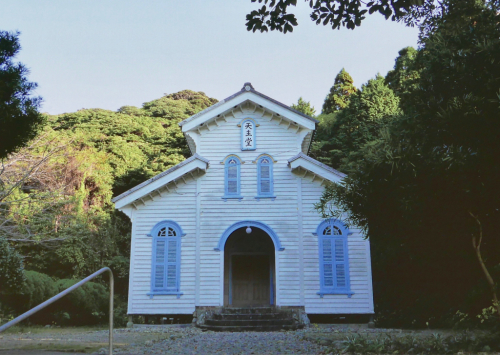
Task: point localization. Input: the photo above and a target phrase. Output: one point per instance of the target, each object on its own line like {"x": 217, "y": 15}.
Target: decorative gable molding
{"x": 160, "y": 181}
{"x": 248, "y": 93}
{"x": 310, "y": 165}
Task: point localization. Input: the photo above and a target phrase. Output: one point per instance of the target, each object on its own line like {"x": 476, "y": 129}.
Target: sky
{"x": 112, "y": 53}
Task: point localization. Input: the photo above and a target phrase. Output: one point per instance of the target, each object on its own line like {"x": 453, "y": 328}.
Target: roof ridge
{"x": 247, "y": 87}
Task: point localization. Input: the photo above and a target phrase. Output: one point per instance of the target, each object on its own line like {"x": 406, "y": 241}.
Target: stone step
{"x": 255, "y": 310}
{"x": 269, "y": 328}
{"x": 230, "y": 316}
{"x": 249, "y": 322}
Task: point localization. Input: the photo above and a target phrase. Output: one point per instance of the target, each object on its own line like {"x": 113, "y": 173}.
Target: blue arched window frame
{"x": 265, "y": 175}
{"x": 232, "y": 177}
{"x": 333, "y": 258}
{"x": 166, "y": 259}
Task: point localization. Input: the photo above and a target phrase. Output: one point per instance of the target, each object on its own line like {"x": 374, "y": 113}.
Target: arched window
{"x": 265, "y": 183}
{"x": 333, "y": 258}
{"x": 166, "y": 259}
{"x": 232, "y": 184}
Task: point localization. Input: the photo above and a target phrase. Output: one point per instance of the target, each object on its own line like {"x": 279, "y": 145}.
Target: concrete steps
{"x": 261, "y": 319}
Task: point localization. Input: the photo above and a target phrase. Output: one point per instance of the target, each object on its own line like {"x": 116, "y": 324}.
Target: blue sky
{"x": 111, "y": 53}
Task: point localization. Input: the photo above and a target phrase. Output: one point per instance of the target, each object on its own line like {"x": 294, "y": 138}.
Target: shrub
{"x": 11, "y": 268}
{"x": 87, "y": 305}
{"x": 432, "y": 344}
{"x": 37, "y": 288}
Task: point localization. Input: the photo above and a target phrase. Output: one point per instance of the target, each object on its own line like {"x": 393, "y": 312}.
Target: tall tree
{"x": 340, "y": 93}
{"x": 360, "y": 122}
{"x": 305, "y": 107}
{"x": 404, "y": 78}
{"x": 19, "y": 116}
{"x": 426, "y": 191}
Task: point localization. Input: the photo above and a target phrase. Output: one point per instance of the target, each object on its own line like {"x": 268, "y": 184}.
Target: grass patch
{"x": 53, "y": 330}
{"x": 411, "y": 344}
{"x": 69, "y": 347}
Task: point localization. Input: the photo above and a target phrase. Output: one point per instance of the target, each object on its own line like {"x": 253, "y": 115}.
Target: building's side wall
{"x": 178, "y": 206}
{"x": 359, "y": 263}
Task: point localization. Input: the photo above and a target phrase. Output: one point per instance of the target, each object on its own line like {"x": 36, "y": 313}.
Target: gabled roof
{"x": 156, "y": 182}
{"x": 312, "y": 165}
{"x": 247, "y": 92}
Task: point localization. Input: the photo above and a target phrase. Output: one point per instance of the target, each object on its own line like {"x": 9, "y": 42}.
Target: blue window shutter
{"x": 327, "y": 262}
{"x": 334, "y": 260}
{"x": 172, "y": 265}
{"x": 265, "y": 177}
{"x": 232, "y": 177}
{"x": 159, "y": 264}
{"x": 166, "y": 259}
{"x": 340, "y": 267}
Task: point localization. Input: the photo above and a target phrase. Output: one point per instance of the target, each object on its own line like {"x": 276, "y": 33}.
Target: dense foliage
{"x": 420, "y": 148}
{"x": 304, "y": 107}
{"x": 344, "y": 131}
{"x": 19, "y": 116}
{"x": 11, "y": 267}
{"x": 337, "y": 13}
{"x": 86, "y": 305}
{"x": 424, "y": 187}
{"x": 340, "y": 93}
{"x": 57, "y": 209}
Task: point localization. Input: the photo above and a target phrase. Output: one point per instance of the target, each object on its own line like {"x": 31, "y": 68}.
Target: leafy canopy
{"x": 340, "y": 93}
{"x": 426, "y": 186}
{"x": 343, "y": 133}
{"x": 304, "y": 107}
{"x": 19, "y": 116}
{"x": 335, "y": 13}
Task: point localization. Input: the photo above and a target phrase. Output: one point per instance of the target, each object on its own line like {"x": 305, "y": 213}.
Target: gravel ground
{"x": 171, "y": 340}
{"x": 194, "y": 341}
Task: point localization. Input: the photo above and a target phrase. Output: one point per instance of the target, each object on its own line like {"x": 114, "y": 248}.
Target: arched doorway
{"x": 249, "y": 268}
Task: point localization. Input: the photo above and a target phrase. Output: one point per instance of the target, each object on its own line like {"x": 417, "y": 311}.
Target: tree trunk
{"x": 476, "y": 244}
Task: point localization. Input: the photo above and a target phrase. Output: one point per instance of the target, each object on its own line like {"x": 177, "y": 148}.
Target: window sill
{"x": 231, "y": 197}
{"x": 335, "y": 292}
{"x": 155, "y": 293}
{"x": 265, "y": 196}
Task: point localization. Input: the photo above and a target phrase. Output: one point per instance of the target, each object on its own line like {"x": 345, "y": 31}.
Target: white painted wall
{"x": 202, "y": 197}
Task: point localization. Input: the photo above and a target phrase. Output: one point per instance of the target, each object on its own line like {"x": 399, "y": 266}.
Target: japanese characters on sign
{"x": 248, "y": 135}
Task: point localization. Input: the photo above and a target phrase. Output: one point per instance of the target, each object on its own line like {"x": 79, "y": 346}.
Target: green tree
{"x": 337, "y": 13}
{"x": 340, "y": 93}
{"x": 426, "y": 189}
{"x": 11, "y": 268}
{"x": 304, "y": 107}
{"x": 19, "y": 116}
{"x": 359, "y": 123}
{"x": 404, "y": 78}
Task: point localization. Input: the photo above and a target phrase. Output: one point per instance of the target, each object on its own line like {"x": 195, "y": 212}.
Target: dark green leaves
{"x": 19, "y": 116}
{"x": 336, "y": 13}
{"x": 276, "y": 18}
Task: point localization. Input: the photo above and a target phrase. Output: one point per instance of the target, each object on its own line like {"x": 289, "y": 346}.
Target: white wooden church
{"x": 235, "y": 224}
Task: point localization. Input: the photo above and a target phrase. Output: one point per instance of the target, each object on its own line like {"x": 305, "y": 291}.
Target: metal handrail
{"x": 64, "y": 293}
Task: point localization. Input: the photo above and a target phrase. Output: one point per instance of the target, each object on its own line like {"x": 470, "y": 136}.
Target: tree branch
{"x": 476, "y": 244}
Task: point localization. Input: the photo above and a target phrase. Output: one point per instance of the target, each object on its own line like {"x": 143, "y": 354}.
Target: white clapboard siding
{"x": 178, "y": 206}
{"x": 297, "y": 266}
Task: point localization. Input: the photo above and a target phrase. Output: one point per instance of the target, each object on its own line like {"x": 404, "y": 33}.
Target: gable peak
{"x": 247, "y": 87}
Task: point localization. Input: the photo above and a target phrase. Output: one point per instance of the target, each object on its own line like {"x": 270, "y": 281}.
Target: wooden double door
{"x": 251, "y": 280}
